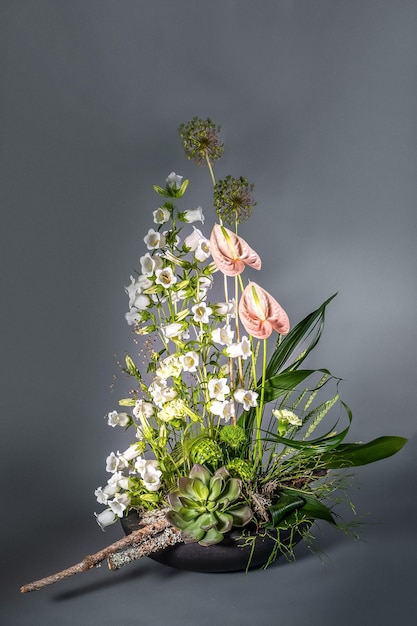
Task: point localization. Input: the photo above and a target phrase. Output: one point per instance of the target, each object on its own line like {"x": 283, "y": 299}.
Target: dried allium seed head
{"x": 200, "y": 139}
{"x": 233, "y": 199}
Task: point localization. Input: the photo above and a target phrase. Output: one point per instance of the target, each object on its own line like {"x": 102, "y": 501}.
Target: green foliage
{"x": 206, "y": 451}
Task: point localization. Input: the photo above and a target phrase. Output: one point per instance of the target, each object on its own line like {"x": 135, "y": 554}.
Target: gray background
{"x": 317, "y": 100}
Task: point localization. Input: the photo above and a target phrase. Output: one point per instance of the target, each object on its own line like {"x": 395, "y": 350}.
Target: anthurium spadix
{"x": 231, "y": 253}
{"x": 260, "y": 313}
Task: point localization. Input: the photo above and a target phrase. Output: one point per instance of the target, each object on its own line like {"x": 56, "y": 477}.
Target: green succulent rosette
{"x": 205, "y": 505}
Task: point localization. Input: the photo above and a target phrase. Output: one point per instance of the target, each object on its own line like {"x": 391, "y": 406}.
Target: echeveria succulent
{"x": 205, "y": 505}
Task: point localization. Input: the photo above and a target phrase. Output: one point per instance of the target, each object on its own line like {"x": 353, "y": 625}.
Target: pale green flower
{"x": 170, "y": 366}
{"x": 288, "y": 416}
{"x": 174, "y": 409}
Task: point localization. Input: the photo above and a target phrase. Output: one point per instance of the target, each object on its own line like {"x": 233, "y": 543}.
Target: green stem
{"x": 209, "y": 165}
{"x": 260, "y": 407}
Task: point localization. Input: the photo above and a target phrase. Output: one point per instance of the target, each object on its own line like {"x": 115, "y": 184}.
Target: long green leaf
{"x": 353, "y": 454}
{"x": 312, "y": 325}
{"x": 286, "y": 381}
{"x": 321, "y": 444}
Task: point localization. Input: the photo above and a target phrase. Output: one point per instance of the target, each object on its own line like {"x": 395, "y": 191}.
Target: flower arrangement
{"x": 227, "y": 425}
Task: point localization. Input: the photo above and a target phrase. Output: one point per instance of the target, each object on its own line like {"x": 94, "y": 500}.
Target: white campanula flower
{"x": 156, "y": 388}
{"x": 117, "y": 419}
{"x": 202, "y": 251}
{"x": 142, "y": 408}
{"x": 225, "y": 308}
{"x": 193, "y": 215}
{"x": 288, "y": 416}
{"x": 241, "y": 349}
{"x": 173, "y": 331}
{"x": 161, "y": 215}
{"x": 193, "y": 240}
{"x": 112, "y": 463}
{"x": 130, "y": 454}
{"x": 105, "y": 518}
{"x": 174, "y": 180}
{"x": 223, "y": 336}
{"x": 140, "y": 465}
{"x": 108, "y": 491}
{"x": 141, "y": 302}
{"x": 225, "y": 410}
{"x": 149, "y": 472}
{"x": 101, "y": 496}
{"x": 177, "y": 296}
{"x": 204, "y": 284}
{"x": 218, "y": 388}
{"x": 149, "y": 264}
{"x": 165, "y": 277}
{"x": 119, "y": 504}
{"x": 247, "y": 398}
{"x": 132, "y": 317}
{"x": 116, "y": 481}
{"x": 201, "y": 312}
{"x": 137, "y": 286}
{"x": 152, "y": 478}
{"x": 154, "y": 239}
{"x": 190, "y": 361}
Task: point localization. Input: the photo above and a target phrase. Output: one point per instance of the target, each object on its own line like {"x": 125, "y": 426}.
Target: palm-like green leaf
{"x": 310, "y": 327}
{"x": 295, "y": 504}
{"x": 286, "y": 504}
{"x": 353, "y": 454}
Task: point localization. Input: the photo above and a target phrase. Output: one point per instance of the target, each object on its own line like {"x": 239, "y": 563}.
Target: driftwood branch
{"x": 168, "y": 537}
{"x": 155, "y": 535}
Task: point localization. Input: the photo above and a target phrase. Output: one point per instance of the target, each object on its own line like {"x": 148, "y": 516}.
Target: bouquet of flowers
{"x": 227, "y": 424}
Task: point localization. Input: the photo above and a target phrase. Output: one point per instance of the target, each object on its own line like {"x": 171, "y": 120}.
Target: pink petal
{"x": 232, "y": 254}
{"x": 261, "y": 318}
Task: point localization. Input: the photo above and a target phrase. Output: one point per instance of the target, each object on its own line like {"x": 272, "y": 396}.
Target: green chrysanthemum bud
{"x": 201, "y": 141}
{"x": 233, "y": 200}
{"x": 239, "y": 468}
{"x": 233, "y": 436}
{"x": 206, "y": 452}
{"x": 206, "y": 506}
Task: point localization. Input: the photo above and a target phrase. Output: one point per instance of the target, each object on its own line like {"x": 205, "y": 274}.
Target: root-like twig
{"x": 156, "y": 534}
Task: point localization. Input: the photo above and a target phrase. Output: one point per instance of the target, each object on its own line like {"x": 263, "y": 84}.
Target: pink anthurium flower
{"x": 230, "y": 252}
{"x": 260, "y": 313}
